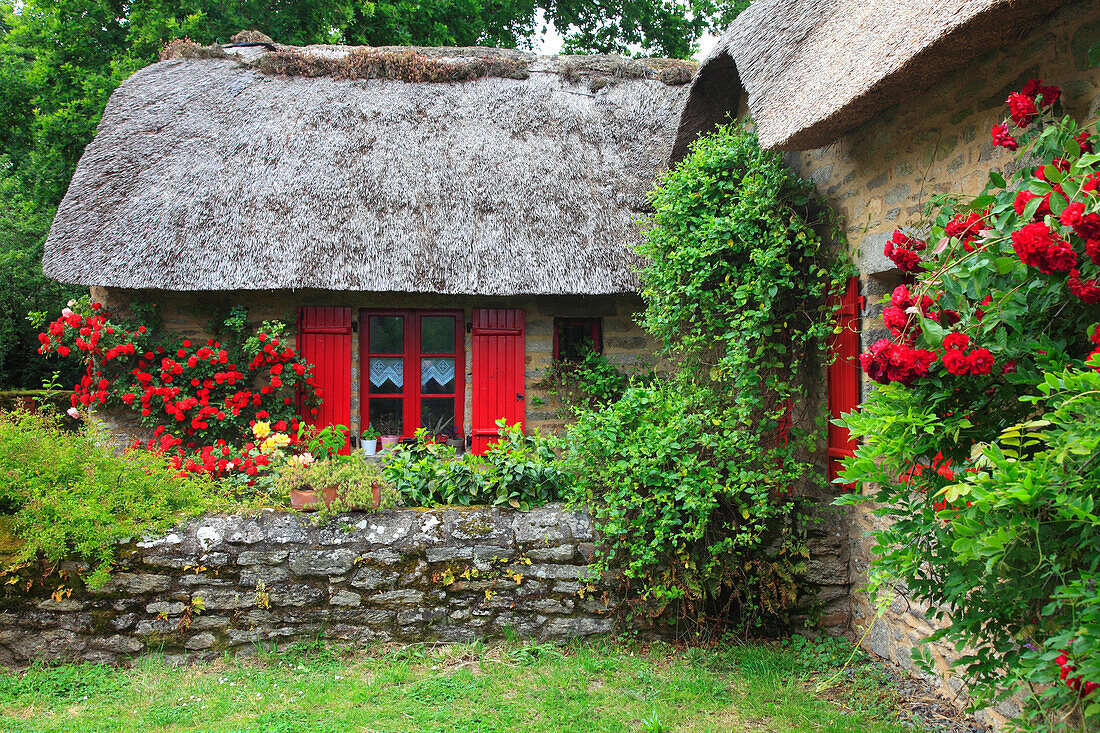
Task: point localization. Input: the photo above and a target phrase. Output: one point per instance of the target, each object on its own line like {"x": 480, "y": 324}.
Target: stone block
{"x": 401, "y": 597}
{"x": 262, "y": 557}
{"x": 322, "y": 562}
{"x": 560, "y": 553}
{"x": 369, "y": 578}
{"x": 345, "y": 598}
{"x": 295, "y": 594}
{"x": 205, "y": 640}
{"x": 162, "y": 607}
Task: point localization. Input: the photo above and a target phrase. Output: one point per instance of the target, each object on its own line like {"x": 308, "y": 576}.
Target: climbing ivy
{"x": 695, "y": 476}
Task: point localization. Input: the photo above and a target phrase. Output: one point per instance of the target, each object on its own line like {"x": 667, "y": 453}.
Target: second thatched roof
{"x": 815, "y": 69}
{"x": 319, "y": 168}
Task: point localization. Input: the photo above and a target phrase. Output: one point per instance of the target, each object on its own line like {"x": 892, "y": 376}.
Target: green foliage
{"x": 690, "y": 476}
{"x": 987, "y": 480}
{"x": 519, "y": 470}
{"x": 68, "y": 494}
{"x": 589, "y": 382}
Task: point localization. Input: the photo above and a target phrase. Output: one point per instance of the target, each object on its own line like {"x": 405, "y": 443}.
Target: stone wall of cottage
{"x": 879, "y": 177}
{"x": 232, "y": 582}
{"x": 625, "y": 344}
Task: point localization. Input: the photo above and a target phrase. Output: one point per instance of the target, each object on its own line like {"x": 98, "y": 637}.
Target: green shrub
{"x": 519, "y": 470}
{"x": 690, "y": 477}
{"x": 68, "y": 494}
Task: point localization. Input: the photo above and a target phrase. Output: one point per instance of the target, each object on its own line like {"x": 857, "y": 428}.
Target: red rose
{"x": 1022, "y": 199}
{"x": 906, "y": 260}
{"x": 1009, "y": 367}
{"x": 1003, "y": 139}
{"x": 1037, "y": 246}
{"x": 1085, "y": 142}
{"x": 1092, "y": 250}
{"x": 957, "y": 341}
{"x": 895, "y": 318}
{"x": 1021, "y": 109}
{"x": 1087, "y": 291}
{"x": 956, "y": 362}
{"x": 981, "y": 361}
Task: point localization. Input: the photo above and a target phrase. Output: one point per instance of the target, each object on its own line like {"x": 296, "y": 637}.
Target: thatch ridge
{"x": 816, "y": 69}
{"x": 420, "y": 64}
{"x": 207, "y": 174}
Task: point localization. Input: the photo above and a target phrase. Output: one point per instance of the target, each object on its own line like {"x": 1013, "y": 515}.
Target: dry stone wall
{"x": 232, "y": 582}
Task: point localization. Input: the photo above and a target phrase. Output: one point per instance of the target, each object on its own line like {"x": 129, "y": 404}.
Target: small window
{"x": 575, "y": 337}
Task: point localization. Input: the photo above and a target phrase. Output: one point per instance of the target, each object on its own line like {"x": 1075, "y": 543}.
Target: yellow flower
{"x": 261, "y": 429}
{"x": 276, "y": 441}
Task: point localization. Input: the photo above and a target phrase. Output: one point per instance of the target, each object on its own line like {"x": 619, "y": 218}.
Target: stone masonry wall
{"x": 275, "y": 577}
{"x": 625, "y": 344}
{"x": 879, "y": 177}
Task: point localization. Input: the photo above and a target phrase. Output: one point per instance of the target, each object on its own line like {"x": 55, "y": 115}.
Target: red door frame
{"x": 410, "y": 391}
{"x": 843, "y": 375}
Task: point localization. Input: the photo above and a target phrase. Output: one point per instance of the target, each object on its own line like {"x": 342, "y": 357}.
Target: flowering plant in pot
{"x": 335, "y": 483}
{"x": 368, "y": 441}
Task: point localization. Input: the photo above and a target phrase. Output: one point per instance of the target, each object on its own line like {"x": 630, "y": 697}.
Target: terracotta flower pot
{"x": 309, "y": 499}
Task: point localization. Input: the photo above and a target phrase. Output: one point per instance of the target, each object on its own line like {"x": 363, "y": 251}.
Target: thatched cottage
{"x": 882, "y": 104}
{"x": 439, "y": 223}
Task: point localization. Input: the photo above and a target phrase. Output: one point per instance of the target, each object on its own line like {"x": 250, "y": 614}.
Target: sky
{"x": 550, "y": 41}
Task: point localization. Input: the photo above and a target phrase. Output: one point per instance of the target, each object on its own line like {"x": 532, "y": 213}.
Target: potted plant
{"x": 390, "y": 434}
{"x": 336, "y": 483}
{"x": 369, "y": 441}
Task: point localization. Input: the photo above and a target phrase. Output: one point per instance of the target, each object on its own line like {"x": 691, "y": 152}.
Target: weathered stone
{"x": 441, "y": 554}
{"x": 204, "y": 581}
{"x": 540, "y": 525}
{"x": 139, "y": 583}
{"x": 65, "y": 604}
{"x": 120, "y": 644}
{"x": 564, "y": 628}
{"x": 224, "y": 599}
{"x": 263, "y": 574}
{"x": 205, "y": 640}
{"x": 372, "y": 578}
{"x": 322, "y": 562}
{"x": 396, "y": 597}
{"x": 243, "y": 531}
{"x": 345, "y": 598}
{"x": 561, "y": 553}
{"x": 168, "y": 609}
{"x": 295, "y": 594}
{"x": 262, "y": 557}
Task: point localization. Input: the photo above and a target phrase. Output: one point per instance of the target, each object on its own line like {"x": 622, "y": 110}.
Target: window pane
{"x": 438, "y": 415}
{"x": 575, "y": 339}
{"x": 387, "y": 334}
{"x": 437, "y": 334}
{"x": 386, "y": 416}
{"x": 387, "y": 374}
{"x": 437, "y": 375}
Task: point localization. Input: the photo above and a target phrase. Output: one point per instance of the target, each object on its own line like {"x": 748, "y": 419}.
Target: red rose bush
{"x": 202, "y": 400}
{"x": 992, "y": 368}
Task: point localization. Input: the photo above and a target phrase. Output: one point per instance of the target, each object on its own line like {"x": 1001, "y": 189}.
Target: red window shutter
{"x": 843, "y": 376}
{"x": 324, "y": 340}
{"x": 498, "y": 388}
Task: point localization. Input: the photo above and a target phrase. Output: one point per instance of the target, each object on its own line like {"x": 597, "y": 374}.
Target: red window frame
{"x": 412, "y": 354}
{"x": 594, "y": 324}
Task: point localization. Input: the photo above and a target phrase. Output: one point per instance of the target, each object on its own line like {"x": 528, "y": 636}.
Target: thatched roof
{"x": 816, "y": 69}
{"x": 213, "y": 173}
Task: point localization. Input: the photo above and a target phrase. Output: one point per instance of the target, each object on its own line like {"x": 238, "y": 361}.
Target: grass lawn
{"x": 587, "y": 688}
